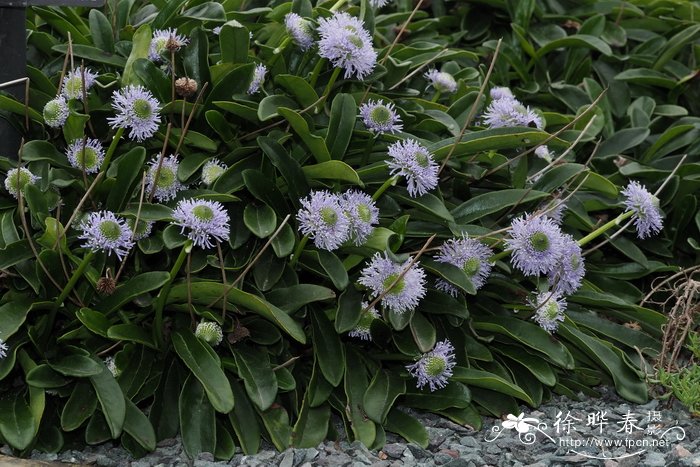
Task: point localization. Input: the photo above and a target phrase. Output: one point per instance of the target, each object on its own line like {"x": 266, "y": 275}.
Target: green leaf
{"x": 328, "y": 349}
{"x": 316, "y": 144}
{"x": 111, "y": 400}
{"x": 454, "y": 394}
{"x": 356, "y": 386}
{"x": 195, "y": 57}
{"x": 132, "y": 333}
{"x": 270, "y": 107}
{"x": 528, "y": 334}
{"x": 261, "y": 220}
{"x": 17, "y": 425}
{"x": 322, "y": 261}
{"x": 311, "y": 427}
{"x": 490, "y": 381}
{"x": 80, "y": 406}
{"x": 647, "y": 76}
{"x": 225, "y": 447}
{"x": 451, "y": 274}
{"x": 299, "y": 88}
{"x": 381, "y": 394}
{"x": 234, "y": 42}
{"x": 11, "y": 105}
{"x": 492, "y": 202}
{"x": 286, "y": 165}
{"x": 137, "y": 425}
{"x": 137, "y": 285}
{"x": 428, "y": 203}
{"x": 276, "y": 421}
{"x": 15, "y": 253}
{"x": 291, "y": 298}
{"x": 578, "y": 40}
{"x": 93, "y": 54}
{"x": 128, "y": 168}
{"x": 341, "y": 124}
{"x": 259, "y": 379}
{"x": 14, "y": 314}
{"x": 675, "y": 44}
{"x": 77, "y": 365}
{"x": 623, "y": 140}
{"x": 349, "y": 310}
{"x": 332, "y": 170}
{"x": 423, "y": 332}
{"x": 283, "y": 243}
{"x": 197, "y": 418}
{"x": 42, "y": 376}
{"x": 205, "y": 368}
{"x": 493, "y": 140}
{"x": 407, "y": 426}
{"x": 244, "y": 421}
{"x": 141, "y": 43}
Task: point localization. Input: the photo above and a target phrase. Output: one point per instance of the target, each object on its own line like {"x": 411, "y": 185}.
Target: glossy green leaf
{"x": 111, "y": 399}
{"x": 260, "y": 219}
{"x": 244, "y": 421}
{"x": 490, "y": 203}
{"x": 328, "y": 349}
{"x": 381, "y": 394}
{"x": 490, "y": 381}
{"x": 139, "y": 427}
{"x": 197, "y": 418}
{"x": 341, "y": 125}
{"x": 141, "y": 44}
{"x": 408, "y": 426}
{"x": 76, "y": 365}
{"x": 17, "y": 425}
{"x": 259, "y": 379}
{"x": 316, "y": 144}
{"x": 137, "y": 285}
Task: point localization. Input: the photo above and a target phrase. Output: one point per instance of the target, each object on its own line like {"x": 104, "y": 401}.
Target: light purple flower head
{"x": 362, "y": 213}
{"x": 258, "y": 78}
{"x": 435, "y": 367}
{"x": 167, "y": 185}
{"x": 378, "y": 3}
{"x": 17, "y": 179}
{"x": 212, "y": 170}
{"x": 381, "y": 273}
{"x": 88, "y": 156}
{"x": 300, "y": 29}
{"x": 567, "y": 277}
{"x": 136, "y": 109}
{"x": 140, "y": 231}
{"x": 550, "y": 307}
{"x": 554, "y": 209}
{"x": 379, "y": 117}
{"x": 645, "y": 206}
{"x": 347, "y": 44}
{"x": 164, "y": 40}
{"x": 210, "y": 332}
{"x": 322, "y": 218}
{"x": 536, "y": 244}
{"x": 413, "y": 161}
{"x": 500, "y": 92}
{"x": 216, "y": 30}
{"x": 73, "y": 83}
{"x": 205, "y": 219}
{"x": 3, "y": 349}
{"x": 362, "y": 329}
{"x": 544, "y": 153}
{"x": 509, "y": 113}
{"x": 471, "y": 256}
{"x": 56, "y": 112}
{"x": 441, "y": 81}
{"x": 104, "y": 231}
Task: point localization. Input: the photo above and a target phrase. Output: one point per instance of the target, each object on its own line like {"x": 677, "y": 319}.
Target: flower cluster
{"x": 104, "y": 231}
{"x": 645, "y": 209}
{"x": 258, "y": 78}
{"x": 136, "y": 109}
{"x": 380, "y": 118}
{"x": 73, "y": 83}
{"x": 210, "y": 332}
{"x": 165, "y": 40}
{"x": 471, "y": 256}
{"x": 300, "y": 29}
{"x": 441, "y": 81}
{"x": 549, "y": 310}
{"x": 17, "y": 179}
{"x": 435, "y": 367}
{"x": 204, "y": 219}
{"x": 212, "y": 170}
{"x": 86, "y": 155}
{"x": 56, "y": 112}
{"x": 330, "y": 220}
{"x": 362, "y": 328}
{"x": 347, "y": 44}
{"x": 166, "y": 184}
{"x": 416, "y": 163}
{"x": 400, "y": 286}
{"x": 507, "y": 111}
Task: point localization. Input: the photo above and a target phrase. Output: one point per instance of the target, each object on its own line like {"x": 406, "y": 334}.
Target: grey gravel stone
{"x": 394, "y": 450}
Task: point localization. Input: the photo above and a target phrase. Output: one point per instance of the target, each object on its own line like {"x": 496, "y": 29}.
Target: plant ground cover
{"x": 231, "y": 220}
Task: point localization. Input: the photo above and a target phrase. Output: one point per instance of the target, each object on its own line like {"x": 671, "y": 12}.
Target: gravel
{"x": 635, "y": 435}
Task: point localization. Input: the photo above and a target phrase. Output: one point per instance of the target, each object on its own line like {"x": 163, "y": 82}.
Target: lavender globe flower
{"x": 212, "y": 170}
{"x": 362, "y": 213}
{"x": 258, "y": 78}
{"x": 380, "y": 118}
{"x": 141, "y": 230}
{"x": 300, "y": 29}
{"x": 323, "y": 219}
{"x": 435, "y": 367}
{"x": 56, "y": 112}
{"x": 73, "y": 83}
{"x": 550, "y": 307}
{"x": 362, "y": 329}
{"x": 378, "y": 3}
{"x": 536, "y": 243}
{"x": 210, "y": 332}
{"x": 167, "y": 185}
{"x": 347, "y": 44}
{"x": 105, "y": 231}
{"x": 88, "y": 156}
{"x": 136, "y": 109}
{"x": 554, "y": 209}
{"x": 441, "y": 81}
{"x": 567, "y": 277}
{"x": 509, "y": 113}
{"x": 500, "y": 92}
{"x": 3, "y": 349}
{"x": 205, "y": 219}
{"x": 17, "y": 179}
{"x": 470, "y": 255}
{"x": 165, "y": 40}
{"x": 414, "y": 161}
{"x": 645, "y": 208}
{"x": 544, "y": 153}
{"x": 381, "y": 273}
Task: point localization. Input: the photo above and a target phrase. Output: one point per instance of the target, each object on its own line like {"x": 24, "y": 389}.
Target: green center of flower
{"x": 471, "y": 267}
{"x": 160, "y": 43}
{"x": 142, "y": 109}
{"x": 86, "y": 158}
{"x": 550, "y": 310}
{"x": 110, "y": 230}
{"x": 539, "y": 241}
{"x": 366, "y": 321}
{"x": 329, "y": 216}
{"x": 435, "y": 366}
{"x": 422, "y": 159}
{"x": 203, "y": 213}
{"x": 398, "y": 288}
{"x": 166, "y": 178}
{"x": 364, "y": 213}
{"x": 356, "y": 40}
{"x": 74, "y": 86}
{"x": 211, "y": 173}
{"x": 52, "y": 110}
{"x": 380, "y": 115}
{"x": 18, "y": 179}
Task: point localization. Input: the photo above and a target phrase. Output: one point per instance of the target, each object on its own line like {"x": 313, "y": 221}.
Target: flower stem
{"x": 337, "y": 5}
{"x": 499, "y": 256}
{"x": 298, "y": 250}
{"x": 316, "y": 71}
{"x": 331, "y": 82}
{"x": 163, "y": 295}
{"x": 368, "y": 147}
{"x": 77, "y": 274}
{"x": 436, "y": 96}
{"x": 391, "y": 181}
{"x": 111, "y": 149}
{"x": 603, "y": 228}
